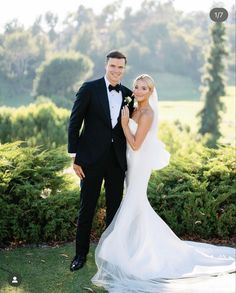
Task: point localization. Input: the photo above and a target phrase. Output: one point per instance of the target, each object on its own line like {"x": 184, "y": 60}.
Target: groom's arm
{"x": 77, "y": 116}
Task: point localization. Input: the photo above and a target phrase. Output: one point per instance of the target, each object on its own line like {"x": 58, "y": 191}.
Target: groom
{"x": 96, "y": 139}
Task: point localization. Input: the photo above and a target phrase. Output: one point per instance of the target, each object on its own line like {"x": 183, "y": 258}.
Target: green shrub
{"x": 60, "y": 75}
{"x": 195, "y": 194}
{"x": 40, "y": 124}
{"x": 37, "y": 200}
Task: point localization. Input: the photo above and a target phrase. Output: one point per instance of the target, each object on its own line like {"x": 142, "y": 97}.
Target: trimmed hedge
{"x": 41, "y": 124}
{"x": 36, "y": 201}
{"x": 195, "y": 195}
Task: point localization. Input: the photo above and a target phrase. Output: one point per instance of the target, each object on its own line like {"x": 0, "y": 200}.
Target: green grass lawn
{"x": 46, "y": 270}
{"x": 173, "y": 87}
{"x": 185, "y": 112}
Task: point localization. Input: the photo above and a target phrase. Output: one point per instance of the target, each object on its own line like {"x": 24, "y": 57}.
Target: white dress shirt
{"x": 115, "y": 100}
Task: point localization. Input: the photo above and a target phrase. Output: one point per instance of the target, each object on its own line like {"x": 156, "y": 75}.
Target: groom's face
{"x": 115, "y": 69}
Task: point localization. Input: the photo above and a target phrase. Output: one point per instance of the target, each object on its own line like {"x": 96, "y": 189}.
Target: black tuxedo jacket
{"x": 90, "y": 131}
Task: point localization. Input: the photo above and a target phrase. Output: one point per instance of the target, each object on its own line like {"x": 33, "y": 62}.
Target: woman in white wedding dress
{"x": 138, "y": 252}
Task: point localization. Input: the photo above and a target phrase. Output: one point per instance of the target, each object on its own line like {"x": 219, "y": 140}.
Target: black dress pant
{"x": 109, "y": 170}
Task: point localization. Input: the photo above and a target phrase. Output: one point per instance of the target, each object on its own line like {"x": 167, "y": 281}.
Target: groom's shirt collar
{"x": 107, "y": 82}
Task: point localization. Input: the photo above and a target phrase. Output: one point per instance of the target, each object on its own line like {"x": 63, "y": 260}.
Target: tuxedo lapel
{"x": 123, "y": 97}
{"x": 103, "y": 99}
{"x": 123, "y": 102}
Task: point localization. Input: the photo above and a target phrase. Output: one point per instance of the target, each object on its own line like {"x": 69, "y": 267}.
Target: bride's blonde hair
{"x": 149, "y": 80}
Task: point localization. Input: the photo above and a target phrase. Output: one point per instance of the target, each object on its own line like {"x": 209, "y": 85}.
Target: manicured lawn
{"x": 46, "y": 270}
{"x": 186, "y": 111}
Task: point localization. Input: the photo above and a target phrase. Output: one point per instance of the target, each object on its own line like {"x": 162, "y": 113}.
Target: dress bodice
{"x": 152, "y": 152}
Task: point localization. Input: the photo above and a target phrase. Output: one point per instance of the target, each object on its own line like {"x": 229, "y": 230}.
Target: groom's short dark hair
{"x": 117, "y": 55}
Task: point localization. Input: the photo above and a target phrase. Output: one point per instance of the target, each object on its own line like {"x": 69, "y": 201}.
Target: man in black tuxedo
{"x": 96, "y": 138}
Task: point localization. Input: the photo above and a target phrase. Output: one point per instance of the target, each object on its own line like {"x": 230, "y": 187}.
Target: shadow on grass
{"x": 46, "y": 270}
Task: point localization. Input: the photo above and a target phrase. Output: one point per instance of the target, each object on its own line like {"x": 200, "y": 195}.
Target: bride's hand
{"x": 124, "y": 116}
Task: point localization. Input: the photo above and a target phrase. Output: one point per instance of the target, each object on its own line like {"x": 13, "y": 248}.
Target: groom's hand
{"x": 79, "y": 171}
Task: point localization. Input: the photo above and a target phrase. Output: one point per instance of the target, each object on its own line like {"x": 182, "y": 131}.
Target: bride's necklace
{"x": 140, "y": 110}
{"x": 137, "y": 112}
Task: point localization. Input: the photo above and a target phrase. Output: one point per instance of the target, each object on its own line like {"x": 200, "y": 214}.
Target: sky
{"x": 26, "y": 11}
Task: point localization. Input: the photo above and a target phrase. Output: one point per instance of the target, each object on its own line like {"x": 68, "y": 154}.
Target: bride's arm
{"x": 144, "y": 124}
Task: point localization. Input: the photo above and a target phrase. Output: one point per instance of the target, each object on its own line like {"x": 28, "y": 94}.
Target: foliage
{"x": 167, "y": 43}
{"x": 61, "y": 74}
{"x": 39, "y": 124}
{"x": 36, "y": 201}
{"x": 17, "y": 54}
{"x": 20, "y": 55}
{"x": 194, "y": 194}
{"x": 213, "y": 86}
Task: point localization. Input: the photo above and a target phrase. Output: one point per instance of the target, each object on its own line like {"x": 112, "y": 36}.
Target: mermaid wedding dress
{"x": 139, "y": 253}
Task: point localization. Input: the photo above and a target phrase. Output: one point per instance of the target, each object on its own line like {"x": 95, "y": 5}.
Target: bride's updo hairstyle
{"x": 147, "y": 78}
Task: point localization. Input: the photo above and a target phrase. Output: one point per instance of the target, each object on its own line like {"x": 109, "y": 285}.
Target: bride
{"x": 138, "y": 252}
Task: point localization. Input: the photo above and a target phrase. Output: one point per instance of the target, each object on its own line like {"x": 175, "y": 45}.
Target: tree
{"x": 59, "y": 76}
{"x": 17, "y": 52}
{"x": 36, "y": 28}
{"x": 51, "y": 21}
{"x": 213, "y": 86}
{"x": 13, "y": 26}
{"x": 19, "y": 57}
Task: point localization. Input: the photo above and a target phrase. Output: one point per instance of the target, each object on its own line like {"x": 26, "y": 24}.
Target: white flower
{"x": 127, "y": 100}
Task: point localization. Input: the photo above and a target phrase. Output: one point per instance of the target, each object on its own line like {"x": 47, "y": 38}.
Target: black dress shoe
{"x": 77, "y": 263}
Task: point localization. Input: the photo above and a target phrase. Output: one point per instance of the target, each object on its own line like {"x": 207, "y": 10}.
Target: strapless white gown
{"x": 138, "y": 252}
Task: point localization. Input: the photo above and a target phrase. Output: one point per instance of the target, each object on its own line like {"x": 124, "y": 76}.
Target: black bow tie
{"x": 116, "y": 88}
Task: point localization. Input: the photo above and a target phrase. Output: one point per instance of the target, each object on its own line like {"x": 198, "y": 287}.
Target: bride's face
{"x": 141, "y": 90}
